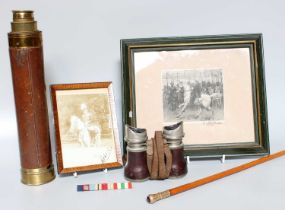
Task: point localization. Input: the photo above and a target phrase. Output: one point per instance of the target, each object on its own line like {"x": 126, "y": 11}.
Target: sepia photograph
{"x": 193, "y": 95}
{"x": 87, "y": 134}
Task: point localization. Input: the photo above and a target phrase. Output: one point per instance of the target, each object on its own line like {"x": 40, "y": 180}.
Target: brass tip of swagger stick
{"x": 23, "y": 21}
{"x": 152, "y": 198}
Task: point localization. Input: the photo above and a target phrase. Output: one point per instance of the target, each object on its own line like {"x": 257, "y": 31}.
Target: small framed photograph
{"x": 215, "y": 84}
{"x": 86, "y": 127}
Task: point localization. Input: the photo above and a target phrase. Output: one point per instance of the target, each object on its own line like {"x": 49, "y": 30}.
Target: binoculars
{"x": 136, "y": 168}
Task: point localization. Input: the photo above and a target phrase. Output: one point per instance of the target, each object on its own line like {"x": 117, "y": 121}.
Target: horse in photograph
{"x": 205, "y": 104}
{"x": 88, "y": 134}
{"x": 205, "y": 101}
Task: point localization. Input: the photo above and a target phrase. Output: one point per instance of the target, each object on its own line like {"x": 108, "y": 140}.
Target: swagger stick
{"x": 152, "y": 198}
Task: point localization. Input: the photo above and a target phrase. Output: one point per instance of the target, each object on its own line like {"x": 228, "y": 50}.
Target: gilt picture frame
{"x": 86, "y": 128}
{"x": 214, "y": 84}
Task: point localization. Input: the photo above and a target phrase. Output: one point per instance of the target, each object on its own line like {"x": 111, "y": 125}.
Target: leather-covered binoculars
{"x": 173, "y": 135}
{"x": 136, "y": 168}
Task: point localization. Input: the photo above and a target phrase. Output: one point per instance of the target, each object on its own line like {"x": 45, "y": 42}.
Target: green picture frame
{"x": 230, "y": 67}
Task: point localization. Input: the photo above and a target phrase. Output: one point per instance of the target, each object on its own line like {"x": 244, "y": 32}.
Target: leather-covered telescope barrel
{"x": 26, "y": 56}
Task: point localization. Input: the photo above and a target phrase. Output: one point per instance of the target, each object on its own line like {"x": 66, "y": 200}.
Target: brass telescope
{"x": 26, "y": 56}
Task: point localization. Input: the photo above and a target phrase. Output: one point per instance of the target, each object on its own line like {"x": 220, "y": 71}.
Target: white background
{"x": 82, "y": 44}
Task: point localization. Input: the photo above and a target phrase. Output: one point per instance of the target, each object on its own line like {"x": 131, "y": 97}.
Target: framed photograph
{"x": 85, "y": 127}
{"x": 214, "y": 84}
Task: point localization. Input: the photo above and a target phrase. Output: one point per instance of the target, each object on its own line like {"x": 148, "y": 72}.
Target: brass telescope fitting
{"x": 23, "y": 21}
{"x": 24, "y": 30}
{"x": 37, "y": 176}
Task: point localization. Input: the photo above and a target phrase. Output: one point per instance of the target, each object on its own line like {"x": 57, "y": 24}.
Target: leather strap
{"x": 159, "y": 158}
{"x": 168, "y": 158}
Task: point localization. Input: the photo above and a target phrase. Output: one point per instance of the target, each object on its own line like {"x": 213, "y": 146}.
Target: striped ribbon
{"x": 104, "y": 186}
